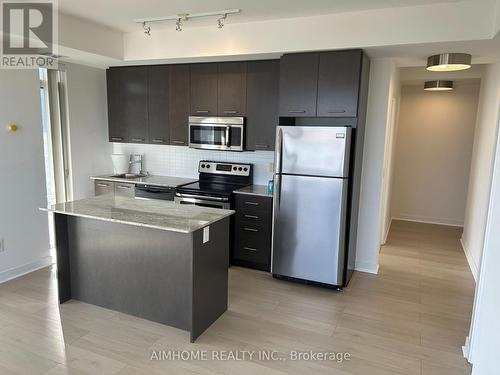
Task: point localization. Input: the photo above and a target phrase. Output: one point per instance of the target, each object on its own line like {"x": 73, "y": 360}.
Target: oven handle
{"x": 228, "y": 128}
{"x": 202, "y": 201}
{"x": 181, "y": 195}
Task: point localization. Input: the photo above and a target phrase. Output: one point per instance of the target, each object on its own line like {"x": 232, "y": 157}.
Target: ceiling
{"x": 120, "y": 14}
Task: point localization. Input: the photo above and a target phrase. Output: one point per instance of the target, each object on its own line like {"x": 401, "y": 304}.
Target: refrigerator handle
{"x": 276, "y": 207}
{"x": 278, "y": 150}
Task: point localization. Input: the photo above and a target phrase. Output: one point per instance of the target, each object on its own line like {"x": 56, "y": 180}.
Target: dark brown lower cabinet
{"x": 252, "y": 231}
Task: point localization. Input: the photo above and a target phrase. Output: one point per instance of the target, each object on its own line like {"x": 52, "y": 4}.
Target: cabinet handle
{"x": 158, "y": 140}
{"x": 230, "y": 112}
{"x": 202, "y": 111}
{"x": 251, "y": 229}
{"x": 117, "y": 138}
{"x": 252, "y": 203}
{"x": 123, "y": 187}
{"x": 137, "y": 139}
{"x": 262, "y": 146}
{"x": 102, "y": 184}
{"x": 179, "y": 142}
{"x": 252, "y": 216}
{"x": 337, "y": 111}
{"x": 297, "y": 111}
{"x": 249, "y": 248}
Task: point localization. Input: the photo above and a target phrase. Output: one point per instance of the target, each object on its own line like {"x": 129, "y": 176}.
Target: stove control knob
{"x": 240, "y": 169}
{"x": 203, "y": 165}
{"x": 245, "y": 169}
{"x": 235, "y": 168}
{"x": 208, "y": 165}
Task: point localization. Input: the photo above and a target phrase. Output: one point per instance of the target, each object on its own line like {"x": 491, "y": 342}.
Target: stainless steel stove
{"x": 217, "y": 181}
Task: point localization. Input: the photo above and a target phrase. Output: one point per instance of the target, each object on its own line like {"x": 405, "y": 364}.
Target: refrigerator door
{"x": 313, "y": 150}
{"x": 308, "y": 228}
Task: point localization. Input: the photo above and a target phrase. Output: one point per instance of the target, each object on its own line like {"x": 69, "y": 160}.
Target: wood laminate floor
{"x": 410, "y": 319}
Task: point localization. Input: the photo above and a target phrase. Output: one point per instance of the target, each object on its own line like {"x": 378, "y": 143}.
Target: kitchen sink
{"x": 129, "y": 175}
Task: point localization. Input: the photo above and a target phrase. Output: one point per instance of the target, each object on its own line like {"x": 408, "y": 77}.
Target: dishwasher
{"x": 165, "y": 193}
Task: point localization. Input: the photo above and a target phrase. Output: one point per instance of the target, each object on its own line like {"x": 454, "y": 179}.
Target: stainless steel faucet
{"x": 135, "y": 159}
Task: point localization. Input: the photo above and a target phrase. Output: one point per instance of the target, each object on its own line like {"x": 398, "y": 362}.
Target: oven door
{"x": 203, "y": 201}
{"x": 215, "y": 134}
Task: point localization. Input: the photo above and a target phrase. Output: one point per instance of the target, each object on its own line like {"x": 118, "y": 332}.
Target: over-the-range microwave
{"x": 217, "y": 133}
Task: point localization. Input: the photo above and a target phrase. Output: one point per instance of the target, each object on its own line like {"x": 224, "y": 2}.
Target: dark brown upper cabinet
{"x": 338, "y": 83}
{"x": 134, "y": 102}
{"x": 232, "y": 89}
{"x": 158, "y": 104}
{"x": 299, "y": 84}
{"x": 117, "y": 131}
{"x": 179, "y": 104}
{"x": 204, "y": 86}
{"x": 263, "y": 82}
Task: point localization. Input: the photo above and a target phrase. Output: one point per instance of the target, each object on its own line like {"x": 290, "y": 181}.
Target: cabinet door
{"x": 203, "y": 91}
{"x": 117, "y": 129}
{"x": 338, "y": 83}
{"x": 262, "y": 104}
{"x": 179, "y": 104}
{"x": 299, "y": 84}
{"x": 134, "y": 104}
{"x": 102, "y": 187}
{"x": 158, "y": 104}
{"x": 232, "y": 89}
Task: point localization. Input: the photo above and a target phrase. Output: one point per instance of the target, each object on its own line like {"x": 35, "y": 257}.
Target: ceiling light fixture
{"x": 180, "y": 19}
{"x": 447, "y": 62}
{"x": 438, "y": 85}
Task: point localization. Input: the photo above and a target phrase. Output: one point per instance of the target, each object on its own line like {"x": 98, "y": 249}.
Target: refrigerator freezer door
{"x": 308, "y": 228}
{"x": 313, "y": 150}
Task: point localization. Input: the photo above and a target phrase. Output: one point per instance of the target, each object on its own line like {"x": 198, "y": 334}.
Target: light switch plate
{"x": 206, "y": 234}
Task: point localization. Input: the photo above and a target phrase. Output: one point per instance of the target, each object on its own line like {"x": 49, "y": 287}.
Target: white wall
{"x": 481, "y": 167}
{"x": 90, "y": 151}
{"x": 485, "y": 339}
{"x": 433, "y": 155}
{"x": 22, "y": 191}
{"x": 181, "y": 161}
{"x": 384, "y": 85}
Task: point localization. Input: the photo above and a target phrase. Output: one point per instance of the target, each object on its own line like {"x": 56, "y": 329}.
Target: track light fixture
{"x": 220, "y": 21}
{"x": 180, "y": 19}
{"x": 147, "y": 29}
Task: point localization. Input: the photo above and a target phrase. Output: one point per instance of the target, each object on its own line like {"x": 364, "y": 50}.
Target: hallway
{"x": 412, "y": 318}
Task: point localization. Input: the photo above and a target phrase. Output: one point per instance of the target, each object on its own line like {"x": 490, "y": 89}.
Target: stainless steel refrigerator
{"x": 310, "y": 203}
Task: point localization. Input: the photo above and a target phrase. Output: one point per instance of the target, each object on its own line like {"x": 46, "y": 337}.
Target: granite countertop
{"x": 255, "y": 190}
{"x": 157, "y": 214}
{"x": 164, "y": 181}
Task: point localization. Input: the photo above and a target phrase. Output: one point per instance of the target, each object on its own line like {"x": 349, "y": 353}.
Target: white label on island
{"x": 206, "y": 234}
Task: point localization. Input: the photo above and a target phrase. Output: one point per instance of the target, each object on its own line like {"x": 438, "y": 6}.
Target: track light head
{"x": 220, "y": 21}
{"x": 147, "y": 29}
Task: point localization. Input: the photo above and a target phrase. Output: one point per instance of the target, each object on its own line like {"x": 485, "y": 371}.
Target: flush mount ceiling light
{"x": 438, "y": 85}
{"x": 448, "y": 62}
{"x": 180, "y": 19}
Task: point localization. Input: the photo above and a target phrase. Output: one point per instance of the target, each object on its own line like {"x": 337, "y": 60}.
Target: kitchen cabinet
{"x": 338, "y": 83}
{"x": 232, "y": 89}
{"x": 298, "y": 84}
{"x": 179, "y": 104}
{"x": 263, "y": 81}
{"x": 158, "y": 104}
{"x": 134, "y": 103}
{"x": 116, "y": 128}
{"x": 203, "y": 89}
{"x": 124, "y": 189}
{"x": 102, "y": 187}
{"x": 252, "y": 231}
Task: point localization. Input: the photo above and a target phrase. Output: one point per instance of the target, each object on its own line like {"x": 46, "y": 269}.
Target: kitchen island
{"x": 153, "y": 259}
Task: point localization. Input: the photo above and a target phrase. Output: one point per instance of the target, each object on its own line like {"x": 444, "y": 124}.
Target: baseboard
{"x": 366, "y": 267}
{"x": 25, "y": 269}
{"x": 427, "y": 220}
{"x": 470, "y": 260}
{"x": 387, "y": 232}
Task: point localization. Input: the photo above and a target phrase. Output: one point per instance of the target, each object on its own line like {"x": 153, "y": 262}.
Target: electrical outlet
{"x": 2, "y": 247}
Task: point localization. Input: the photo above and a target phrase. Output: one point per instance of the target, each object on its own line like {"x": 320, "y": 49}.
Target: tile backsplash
{"x": 181, "y": 161}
